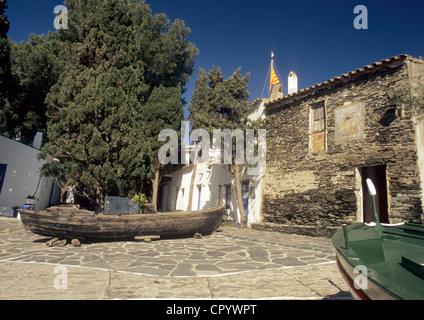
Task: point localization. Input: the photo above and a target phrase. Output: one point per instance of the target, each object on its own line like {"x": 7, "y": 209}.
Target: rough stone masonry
{"x": 323, "y": 141}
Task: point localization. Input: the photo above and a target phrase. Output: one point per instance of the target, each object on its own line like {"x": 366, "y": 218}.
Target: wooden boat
{"x": 65, "y": 223}
{"x": 380, "y": 261}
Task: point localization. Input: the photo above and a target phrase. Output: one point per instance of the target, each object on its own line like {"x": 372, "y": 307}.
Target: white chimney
{"x": 38, "y": 139}
{"x": 292, "y": 82}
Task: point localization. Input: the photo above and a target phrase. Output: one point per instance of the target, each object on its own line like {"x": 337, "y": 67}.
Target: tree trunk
{"x": 155, "y": 183}
{"x": 190, "y": 195}
{"x": 237, "y": 184}
{"x": 193, "y": 177}
{"x": 100, "y": 200}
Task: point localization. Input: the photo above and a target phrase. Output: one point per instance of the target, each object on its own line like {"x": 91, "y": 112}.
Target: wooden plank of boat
{"x": 146, "y": 238}
{"x": 51, "y": 242}
{"x": 69, "y": 224}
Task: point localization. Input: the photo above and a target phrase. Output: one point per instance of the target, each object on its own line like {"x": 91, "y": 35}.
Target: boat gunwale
{"x": 75, "y": 214}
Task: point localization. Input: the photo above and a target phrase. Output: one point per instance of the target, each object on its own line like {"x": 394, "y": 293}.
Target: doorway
{"x": 378, "y": 175}
{"x": 245, "y": 196}
{"x": 199, "y": 192}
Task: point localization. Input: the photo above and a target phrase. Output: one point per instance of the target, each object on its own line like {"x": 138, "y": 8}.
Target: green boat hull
{"x": 382, "y": 261}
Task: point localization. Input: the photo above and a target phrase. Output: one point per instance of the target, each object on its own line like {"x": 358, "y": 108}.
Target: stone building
{"x": 325, "y": 140}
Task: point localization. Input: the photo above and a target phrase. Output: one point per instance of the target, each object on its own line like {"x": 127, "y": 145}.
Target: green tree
{"x": 96, "y": 125}
{"x": 36, "y": 66}
{"x": 27, "y": 72}
{"x": 7, "y": 115}
{"x": 164, "y": 110}
{"x": 219, "y": 103}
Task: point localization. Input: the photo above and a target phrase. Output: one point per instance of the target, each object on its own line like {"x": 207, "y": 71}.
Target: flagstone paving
{"x": 229, "y": 252}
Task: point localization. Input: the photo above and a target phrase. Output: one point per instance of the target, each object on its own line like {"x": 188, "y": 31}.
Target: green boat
{"x": 381, "y": 261}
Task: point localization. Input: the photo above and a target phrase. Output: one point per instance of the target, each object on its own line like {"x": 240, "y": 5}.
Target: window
{"x": 318, "y": 127}
{"x": 245, "y": 196}
{"x": 199, "y": 197}
{"x": 318, "y": 118}
{"x": 227, "y": 196}
{"x": 2, "y": 174}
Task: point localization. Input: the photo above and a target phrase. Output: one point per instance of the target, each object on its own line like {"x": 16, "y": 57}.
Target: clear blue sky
{"x": 315, "y": 39}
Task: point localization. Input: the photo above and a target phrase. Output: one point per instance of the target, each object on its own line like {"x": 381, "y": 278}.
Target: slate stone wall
{"x": 315, "y": 193}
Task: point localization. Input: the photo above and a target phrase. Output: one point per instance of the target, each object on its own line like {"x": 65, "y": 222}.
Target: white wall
{"x": 212, "y": 178}
{"x": 22, "y": 177}
{"x": 209, "y": 177}
{"x": 419, "y": 127}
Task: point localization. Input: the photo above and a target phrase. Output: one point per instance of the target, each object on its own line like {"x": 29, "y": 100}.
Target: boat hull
{"x": 82, "y": 224}
{"x": 360, "y": 291}
{"x": 385, "y": 262}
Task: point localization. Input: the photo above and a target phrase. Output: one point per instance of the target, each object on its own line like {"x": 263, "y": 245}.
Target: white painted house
{"x": 20, "y": 177}
{"x": 213, "y": 185}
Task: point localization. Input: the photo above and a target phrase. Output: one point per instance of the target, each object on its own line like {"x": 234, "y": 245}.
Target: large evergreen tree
{"x": 7, "y": 115}
{"x": 4, "y": 45}
{"x": 36, "y": 66}
{"x": 96, "y": 113}
{"x": 27, "y": 72}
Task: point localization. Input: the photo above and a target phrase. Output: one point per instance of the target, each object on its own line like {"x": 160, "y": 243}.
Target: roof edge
{"x": 344, "y": 77}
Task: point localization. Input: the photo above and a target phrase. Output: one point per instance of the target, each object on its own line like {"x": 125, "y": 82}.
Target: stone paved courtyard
{"x": 232, "y": 258}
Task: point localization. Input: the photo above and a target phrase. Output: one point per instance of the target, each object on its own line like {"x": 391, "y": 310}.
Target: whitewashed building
{"x": 213, "y": 185}
{"x": 20, "y": 177}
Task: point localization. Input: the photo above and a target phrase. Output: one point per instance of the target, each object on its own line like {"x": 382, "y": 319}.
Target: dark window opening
{"x": 2, "y": 174}
{"x": 227, "y": 196}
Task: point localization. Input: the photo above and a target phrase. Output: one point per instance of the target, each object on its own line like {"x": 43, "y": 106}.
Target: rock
{"x": 60, "y": 243}
{"x": 76, "y": 243}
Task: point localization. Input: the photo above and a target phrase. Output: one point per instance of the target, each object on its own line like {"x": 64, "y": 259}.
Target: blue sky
{"x": 315, "y": 39}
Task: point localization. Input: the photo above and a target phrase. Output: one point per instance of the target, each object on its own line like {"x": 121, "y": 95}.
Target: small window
{"x": 318, "y": 127}
{"x": 318, "y": 118}
{"x": 227, "y": 196}
{"x": 2, "y": 174}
